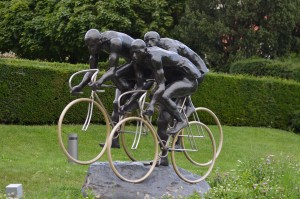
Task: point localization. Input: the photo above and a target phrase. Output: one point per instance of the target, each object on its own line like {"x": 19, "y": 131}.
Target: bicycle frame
{"x": 94, "y": 96}
{"x": 164, "y": 144}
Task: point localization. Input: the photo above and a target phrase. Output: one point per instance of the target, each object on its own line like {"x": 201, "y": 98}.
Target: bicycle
{"x": 135, "y": 132}
{"x": 83, "y": 116}
{"x": 208, "y": 117}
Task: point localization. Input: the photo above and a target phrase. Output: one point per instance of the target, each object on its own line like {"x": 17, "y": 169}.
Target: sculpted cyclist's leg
{"x": 162, "y": 126}
{"x": 177, "y": 89}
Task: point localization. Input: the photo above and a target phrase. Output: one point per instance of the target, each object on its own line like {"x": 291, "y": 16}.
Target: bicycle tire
{"x": 70, "y": 121}
{"x": 146, "y": 149}
{"x": 124, "y": 144}
{"x": 205, "y": 152}
{"x": 217, "y": 133}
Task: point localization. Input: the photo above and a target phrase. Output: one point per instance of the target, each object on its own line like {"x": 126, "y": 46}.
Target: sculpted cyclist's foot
{"x": 180, "y": 125}
{"x": 115, "y": 144}
{"x": 76, "y": 90}
{"x": 189, "y": 110}
{"x": 164, "y": 161}
{"x": 178, "y": 146}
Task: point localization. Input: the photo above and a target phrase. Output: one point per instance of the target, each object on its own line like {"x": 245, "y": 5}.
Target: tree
{"x": 54, "y": 30}
{"x": 229, "y": 30}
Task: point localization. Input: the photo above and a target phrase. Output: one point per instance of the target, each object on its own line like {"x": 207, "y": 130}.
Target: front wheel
{"x": 140, "y": 149}
{"x": 84, "y": 118}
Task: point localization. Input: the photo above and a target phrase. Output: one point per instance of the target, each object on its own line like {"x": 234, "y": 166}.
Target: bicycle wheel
{"x": 208, "y": 117}
{"x": 126, "y": 140}
{"x": 74, "y": 119}
{"x": 140, "y": 141}
{"x": 199, "y": 148}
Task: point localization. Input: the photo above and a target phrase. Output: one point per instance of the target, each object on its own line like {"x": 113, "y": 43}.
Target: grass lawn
{"x": 31, "y": 155}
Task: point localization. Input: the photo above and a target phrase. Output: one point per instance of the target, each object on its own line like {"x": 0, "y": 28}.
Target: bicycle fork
{"x": 89, "y": 113}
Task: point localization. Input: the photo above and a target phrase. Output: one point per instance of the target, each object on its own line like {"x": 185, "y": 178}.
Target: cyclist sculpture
{"x": 118, "y": 46}
{"x": 152, "y": 38}
{"x": 176, "y": 77}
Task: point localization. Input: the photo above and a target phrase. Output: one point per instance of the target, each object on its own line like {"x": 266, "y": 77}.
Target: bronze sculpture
{"x": 176, "y": 69}
{"x": 118, "y": 46}
{"x": 176, "y": 77}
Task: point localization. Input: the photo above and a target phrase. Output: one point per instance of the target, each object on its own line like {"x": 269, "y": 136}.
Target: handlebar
{"x": 141, "y": 99}
{"x": 93, "y": 79}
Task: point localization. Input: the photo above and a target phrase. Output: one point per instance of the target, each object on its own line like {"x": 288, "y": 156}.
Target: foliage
{"x": 295, "y": 121}
{"x": 288, "y": 68}
{"x": 249, "y": 101}
{"x": 27, "y": 87}
{"x": 35, "y": 92}
{"x": 54, "y": 30}
{"x": 230, "y": 30}
{"x": 259, "y": 178}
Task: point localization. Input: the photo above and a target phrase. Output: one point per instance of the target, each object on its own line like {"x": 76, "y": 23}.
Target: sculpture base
{"x": 163, "y": 181}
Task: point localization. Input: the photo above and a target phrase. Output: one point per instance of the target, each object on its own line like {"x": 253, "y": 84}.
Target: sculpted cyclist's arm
{"x": 160, "y": 80}
{"x": 93, "y": 61}
{"x": 115, "y": 48}
{"x": 195, "y": 59}
{"x": 140, "y": 80}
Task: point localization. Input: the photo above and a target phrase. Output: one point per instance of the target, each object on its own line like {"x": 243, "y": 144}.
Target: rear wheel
{"x": 209, "y": 118}
{"x": 199, "y": 148}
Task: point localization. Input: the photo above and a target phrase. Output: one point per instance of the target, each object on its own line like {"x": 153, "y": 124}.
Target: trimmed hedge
{"x": 36, "y": 92}
{"x": 249, "y": 101}
{"x": 287, "y": 68}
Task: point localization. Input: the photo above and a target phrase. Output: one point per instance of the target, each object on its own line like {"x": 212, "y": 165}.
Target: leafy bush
{"x": 287, "y": 68}
{"x": 35, "y": 92}
{"x": 226, "y": 31}
{"x": 263, "y": 178}
{"x": 295, "y": 121}
{"x": 240, "y": 100}
{"x": 54, "y": 30}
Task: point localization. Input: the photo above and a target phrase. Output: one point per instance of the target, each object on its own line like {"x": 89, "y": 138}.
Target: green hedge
{"x": 249, "y": 101}
{"x": 288, "y": 68}
{"x": 36, "y": 92}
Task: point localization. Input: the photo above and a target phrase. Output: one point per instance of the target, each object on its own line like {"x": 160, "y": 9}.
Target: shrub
{"x": 35, "y": 92}
{"x": 287, "y": 68}
{"x": 262, "y": 178}
{"x": 240, "y": 100}
{"x": 295, "y": 121}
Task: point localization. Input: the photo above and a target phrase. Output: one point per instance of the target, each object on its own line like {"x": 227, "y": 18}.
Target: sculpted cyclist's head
{"x": 151, "y": 38}
{"x": 138, "y": 48}
{"x": 92, "y": 39}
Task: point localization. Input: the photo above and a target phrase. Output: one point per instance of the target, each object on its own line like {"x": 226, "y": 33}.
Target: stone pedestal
{"x": 163, "y": 181}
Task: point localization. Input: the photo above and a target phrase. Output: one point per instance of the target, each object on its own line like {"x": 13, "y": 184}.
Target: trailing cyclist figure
{"x": 176, "y": 77}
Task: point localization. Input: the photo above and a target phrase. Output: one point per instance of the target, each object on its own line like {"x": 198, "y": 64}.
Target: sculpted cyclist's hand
{"x": 95, "y": 85}
{"x": 76, "y": 90}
